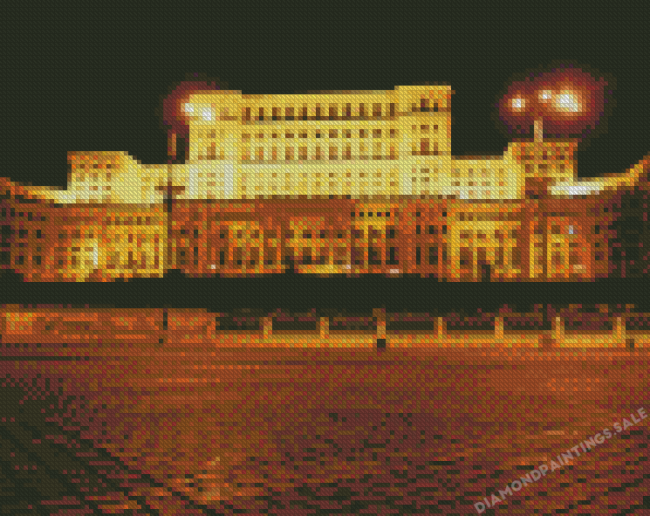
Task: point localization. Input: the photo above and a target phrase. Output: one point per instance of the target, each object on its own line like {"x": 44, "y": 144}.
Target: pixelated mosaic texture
{"x": 345, "y": 183}
{"x": 452, "y": 240}
{"x": 169, "y": 411}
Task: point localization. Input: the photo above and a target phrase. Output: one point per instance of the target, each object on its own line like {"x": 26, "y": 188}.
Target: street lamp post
{"x": 538, "y": 129}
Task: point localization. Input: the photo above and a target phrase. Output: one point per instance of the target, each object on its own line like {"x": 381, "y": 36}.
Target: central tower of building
{"x": 361, "y": 143}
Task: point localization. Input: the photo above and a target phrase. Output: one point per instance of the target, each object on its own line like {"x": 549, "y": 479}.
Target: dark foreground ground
{"x": 249, "y": 431}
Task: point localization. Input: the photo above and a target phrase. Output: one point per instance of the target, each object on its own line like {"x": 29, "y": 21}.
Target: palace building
{"x": 330, "y": 183}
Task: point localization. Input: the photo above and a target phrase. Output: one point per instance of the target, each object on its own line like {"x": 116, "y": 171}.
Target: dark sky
{"x": 83, "y": 79}
{"x": 88, "y": 79}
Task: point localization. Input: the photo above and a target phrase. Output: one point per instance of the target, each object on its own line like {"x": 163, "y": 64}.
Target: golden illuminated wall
{"x": 359, "y": 143}
{"x": 550, "y": 158}
{"x": 110, "y": 177}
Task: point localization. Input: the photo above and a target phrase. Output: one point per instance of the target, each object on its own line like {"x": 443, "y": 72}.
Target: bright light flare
{"x": 565, "y": 102}
{"x": 178, "y": 111}
{"x": 518, "y": 103}
{"x": 207, "y": 114}
{"x": 198, "y": 111}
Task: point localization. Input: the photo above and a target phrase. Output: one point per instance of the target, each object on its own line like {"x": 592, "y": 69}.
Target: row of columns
{"x": 557, "y": 335}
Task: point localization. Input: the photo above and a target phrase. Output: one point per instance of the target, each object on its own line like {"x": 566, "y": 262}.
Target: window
{"x": 391, "y": 259}
{"x": 433, "y": 255}
{"x": 373, "y": 256}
